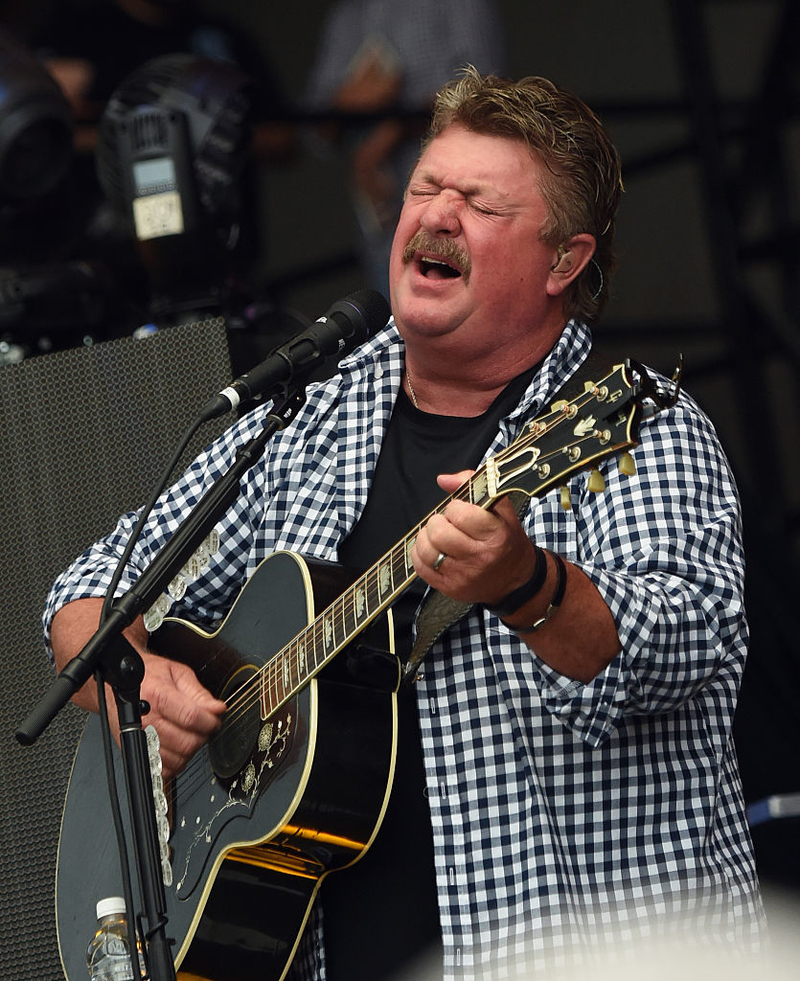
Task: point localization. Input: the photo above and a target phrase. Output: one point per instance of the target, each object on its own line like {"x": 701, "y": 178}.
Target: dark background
{"x": 702, "y": 100}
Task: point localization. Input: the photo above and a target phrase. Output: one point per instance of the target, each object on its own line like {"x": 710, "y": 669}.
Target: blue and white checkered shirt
{"x": 567, "y": 817}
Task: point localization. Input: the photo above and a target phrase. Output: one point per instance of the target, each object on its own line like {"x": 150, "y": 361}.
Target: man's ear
{"x": 570, "y": 260}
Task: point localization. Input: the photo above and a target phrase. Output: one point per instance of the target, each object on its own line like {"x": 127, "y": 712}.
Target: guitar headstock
{"x": 575, "y": 435}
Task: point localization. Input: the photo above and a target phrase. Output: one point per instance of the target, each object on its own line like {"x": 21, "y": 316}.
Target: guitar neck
{"x": 369, "y": 596}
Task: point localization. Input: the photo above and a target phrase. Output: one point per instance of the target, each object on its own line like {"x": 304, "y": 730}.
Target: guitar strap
{"x": 439, "y": 612}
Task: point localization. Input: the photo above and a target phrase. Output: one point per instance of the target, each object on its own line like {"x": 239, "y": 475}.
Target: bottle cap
{"x": 111, "y": 906}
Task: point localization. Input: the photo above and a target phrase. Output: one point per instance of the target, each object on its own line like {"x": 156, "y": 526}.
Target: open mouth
{"x": 437, "y": 258}
{"x": 437, "y": 268}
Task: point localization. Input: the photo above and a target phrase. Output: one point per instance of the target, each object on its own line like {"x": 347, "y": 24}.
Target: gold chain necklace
{"x": 411, "y": 391}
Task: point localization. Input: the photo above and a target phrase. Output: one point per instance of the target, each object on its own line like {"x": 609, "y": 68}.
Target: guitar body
{"x": 261, "y": 814}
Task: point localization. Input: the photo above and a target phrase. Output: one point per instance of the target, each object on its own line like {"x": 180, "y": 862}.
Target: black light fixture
{"x": 36, "y": 128}
{"x": 173, "y": 145}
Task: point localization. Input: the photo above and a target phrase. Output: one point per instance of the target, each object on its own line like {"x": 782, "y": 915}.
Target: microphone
{"x": 348, "y": 323}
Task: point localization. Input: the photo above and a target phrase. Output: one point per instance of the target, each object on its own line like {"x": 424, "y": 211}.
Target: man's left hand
{"x": 470, "y": 554}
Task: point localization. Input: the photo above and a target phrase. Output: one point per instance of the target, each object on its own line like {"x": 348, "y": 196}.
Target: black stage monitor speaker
{"x": 84, "y": 435}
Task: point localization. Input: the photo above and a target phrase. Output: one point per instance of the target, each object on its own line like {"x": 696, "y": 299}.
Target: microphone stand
{"x": 122, "y": 667}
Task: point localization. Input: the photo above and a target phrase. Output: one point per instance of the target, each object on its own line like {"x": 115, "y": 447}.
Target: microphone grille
{"x": 371, "y": 310}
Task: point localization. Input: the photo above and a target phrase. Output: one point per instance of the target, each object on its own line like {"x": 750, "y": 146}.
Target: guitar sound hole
{"x": 231, "y": 748}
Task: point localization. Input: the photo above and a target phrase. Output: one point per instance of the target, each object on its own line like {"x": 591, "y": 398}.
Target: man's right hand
{"x": 182, "y": 711}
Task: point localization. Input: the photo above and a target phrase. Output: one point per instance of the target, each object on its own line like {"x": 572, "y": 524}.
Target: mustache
{"x": 441, "y": 248}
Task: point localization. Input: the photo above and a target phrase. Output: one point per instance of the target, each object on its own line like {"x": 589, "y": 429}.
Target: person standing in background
{"x": 378, "y": 56}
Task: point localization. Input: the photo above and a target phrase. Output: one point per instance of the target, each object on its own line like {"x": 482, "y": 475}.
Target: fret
{"x": 373, "y": 590}
{"x": 360, "y": 601}
{"x": 273, "y": 685}
{"x": 291, "y": 677}
{"x": 286, "y": 677}
{"x": 478, "y": 488}
{"x": 269, "y": 700}
{"x": 262, "y": 694}
{"x": 327, "y": 633}
{"x": 349, "y": 617}
{"x": 399, "y": 573}
{"x": 384, "y": 579}
{"x": 276, "y": 676}
{"x": 370, "y": 592}
{"x": 339, "y": 620}
{"x": 409, "y": 565}
{"x": 314, "y": 634}
{"x": 310, "y": 650}
{"x": 302, "y": 659}
{"x": 334, "y": 619}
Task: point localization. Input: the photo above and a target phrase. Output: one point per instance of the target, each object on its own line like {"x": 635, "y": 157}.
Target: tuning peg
{"x": 588, "y": 386}
{"x": 558, "y": 405}
{"x": 596, "y": 483}
{"x": 626, "y": 465}
{"x": 566, "y": 498}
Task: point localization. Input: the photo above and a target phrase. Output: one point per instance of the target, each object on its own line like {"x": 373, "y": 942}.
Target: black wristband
{"x": 555, "y": 601}
{"x": 519, "y": 597}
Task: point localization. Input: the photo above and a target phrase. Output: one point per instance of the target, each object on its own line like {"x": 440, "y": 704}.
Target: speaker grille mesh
{"x": 84, "y": 435}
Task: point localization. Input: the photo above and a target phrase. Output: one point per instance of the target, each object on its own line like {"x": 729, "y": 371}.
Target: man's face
{"x": 467, "y": 261}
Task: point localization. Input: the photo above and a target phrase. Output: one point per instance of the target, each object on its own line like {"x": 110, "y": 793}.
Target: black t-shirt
{"x": 381, "y": 915}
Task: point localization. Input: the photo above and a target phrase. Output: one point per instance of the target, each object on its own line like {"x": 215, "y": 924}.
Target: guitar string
{"x": 288, "y": 659}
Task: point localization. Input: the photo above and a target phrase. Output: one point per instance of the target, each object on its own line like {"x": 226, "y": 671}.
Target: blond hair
{"x": 582, "y": 183}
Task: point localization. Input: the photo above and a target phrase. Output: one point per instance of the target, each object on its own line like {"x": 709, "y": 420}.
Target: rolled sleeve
{"x": 663, "y": 547}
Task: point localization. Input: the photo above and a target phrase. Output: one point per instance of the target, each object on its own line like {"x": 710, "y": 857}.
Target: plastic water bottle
{"x": 108, "y": 955}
